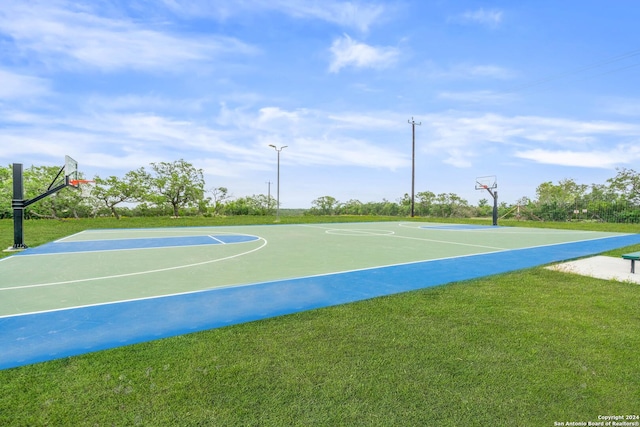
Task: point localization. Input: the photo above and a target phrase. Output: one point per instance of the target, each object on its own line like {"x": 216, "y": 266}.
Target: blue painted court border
{"x": 33, "y": 338}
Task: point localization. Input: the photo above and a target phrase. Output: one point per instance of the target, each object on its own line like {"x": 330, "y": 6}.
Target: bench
{"x": 634, "y": 256}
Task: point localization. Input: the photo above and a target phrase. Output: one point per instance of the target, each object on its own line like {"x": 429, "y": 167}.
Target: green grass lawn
{"x": 529, "y": 348}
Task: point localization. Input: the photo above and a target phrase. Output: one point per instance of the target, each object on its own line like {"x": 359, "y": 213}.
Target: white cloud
{"x": 320, "y": 138}
{"x": 459, "y": 158}
{"x": 465, "y": 129}
{"x": 618, "y": 155}
{"x": 271, "y": 114}
{"x": 492, "y": 71}
{"x": 19, "y": 86}
{"x": 146, "y": 102}
{"x": 345, "y": 151}
{"x": 476, "y": 97}
{"x": 622, "y": 106}
{"x": 490, "y": 18}
{"x": 350, "y": 53}
{"x": 351, "y": 14}
{"x": 351, "y": 120}
{"x": 62, "y": 35}
{"x": 465, "y": 71}
{"x": 240, "y": 135}
{"x": 457, "y": 138}
{"x": 109, "y": 140}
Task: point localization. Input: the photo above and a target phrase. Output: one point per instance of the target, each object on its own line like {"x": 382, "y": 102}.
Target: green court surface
{"x": 103, "y": 266}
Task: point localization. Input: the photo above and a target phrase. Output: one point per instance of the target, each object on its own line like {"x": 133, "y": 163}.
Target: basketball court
{"x": 101, "y": 289}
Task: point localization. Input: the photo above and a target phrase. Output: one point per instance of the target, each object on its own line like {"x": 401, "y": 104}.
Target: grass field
{"x": 530, "y": 348}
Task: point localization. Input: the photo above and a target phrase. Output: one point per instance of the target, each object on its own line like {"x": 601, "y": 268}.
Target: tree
{"x": 325, "y": 205}
{"x": 219, "y": 194}
{"x": 251, "y": 205}
{"x": 425, "y": 203}
{"x": 237, "y": 207}
{"x": 404, "y": 205}
{"x": 484, "y": 208}
{"x": 113, "y": 190}
{"x": 352, "y": 207}
{"x": 178, "y": 184}
{"x": 260, "y": 204}
{"x": 389, "y": 208}
{"x": 564, "y": 193}
{"x": 451, "y": 205}
{"x": 627, "y": 184}
{"x": 5, "y": 192}
{"x": 557, "y": 202}
{"x": 38, "y": 180}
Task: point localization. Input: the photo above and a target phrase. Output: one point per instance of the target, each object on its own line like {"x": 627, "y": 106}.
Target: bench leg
{"x": 633, "y": 266}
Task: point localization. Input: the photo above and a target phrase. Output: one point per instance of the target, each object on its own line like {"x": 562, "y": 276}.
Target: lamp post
{"x": 413, "y": 162}
{"x": 278, "y": 181}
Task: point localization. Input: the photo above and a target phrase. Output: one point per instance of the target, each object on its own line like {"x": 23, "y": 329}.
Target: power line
{"x": 580, "y": 69}
{"x": 616, "y": 70}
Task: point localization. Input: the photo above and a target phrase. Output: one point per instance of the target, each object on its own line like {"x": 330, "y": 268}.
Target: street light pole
{"x": 413, "y": 162}
{"x": 278, "y": 181}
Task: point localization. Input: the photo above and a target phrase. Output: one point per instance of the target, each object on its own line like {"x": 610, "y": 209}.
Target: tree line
{"x": 178, "y": 189}
{"x": 617, "y": 200}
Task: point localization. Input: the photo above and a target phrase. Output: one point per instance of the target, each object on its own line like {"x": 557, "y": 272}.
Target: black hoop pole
{"x": 495, "y": 208}
{"x": 19, "y": 203}
{"x": 494, "y": 194}
{"x": 18, "y": 207}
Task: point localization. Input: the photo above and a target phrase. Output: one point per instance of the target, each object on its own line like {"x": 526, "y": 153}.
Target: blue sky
{"x": 529, "y": 91}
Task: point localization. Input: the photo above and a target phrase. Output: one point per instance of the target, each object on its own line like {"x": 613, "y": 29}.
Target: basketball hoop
{"x": 490, "y": 184}
{"x": 486, "y": 182}
{"x": 76, "y": 182}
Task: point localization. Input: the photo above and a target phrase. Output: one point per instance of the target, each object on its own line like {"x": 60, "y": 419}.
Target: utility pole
{"x": 413, "y": 162}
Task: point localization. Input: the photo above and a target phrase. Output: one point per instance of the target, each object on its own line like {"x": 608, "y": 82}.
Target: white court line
{"x": 68, "y": 237}
{"x": 315, "y": 226}
{"x": 361, "y": 232}
{"x": 218, "y": 240}
{"x": 505, "y": 230}
{"x": 447, "y": 227}
{"x": 450, "y": 243}
{"x": 139, "y": 273}
{"x": 358, "y": 232}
